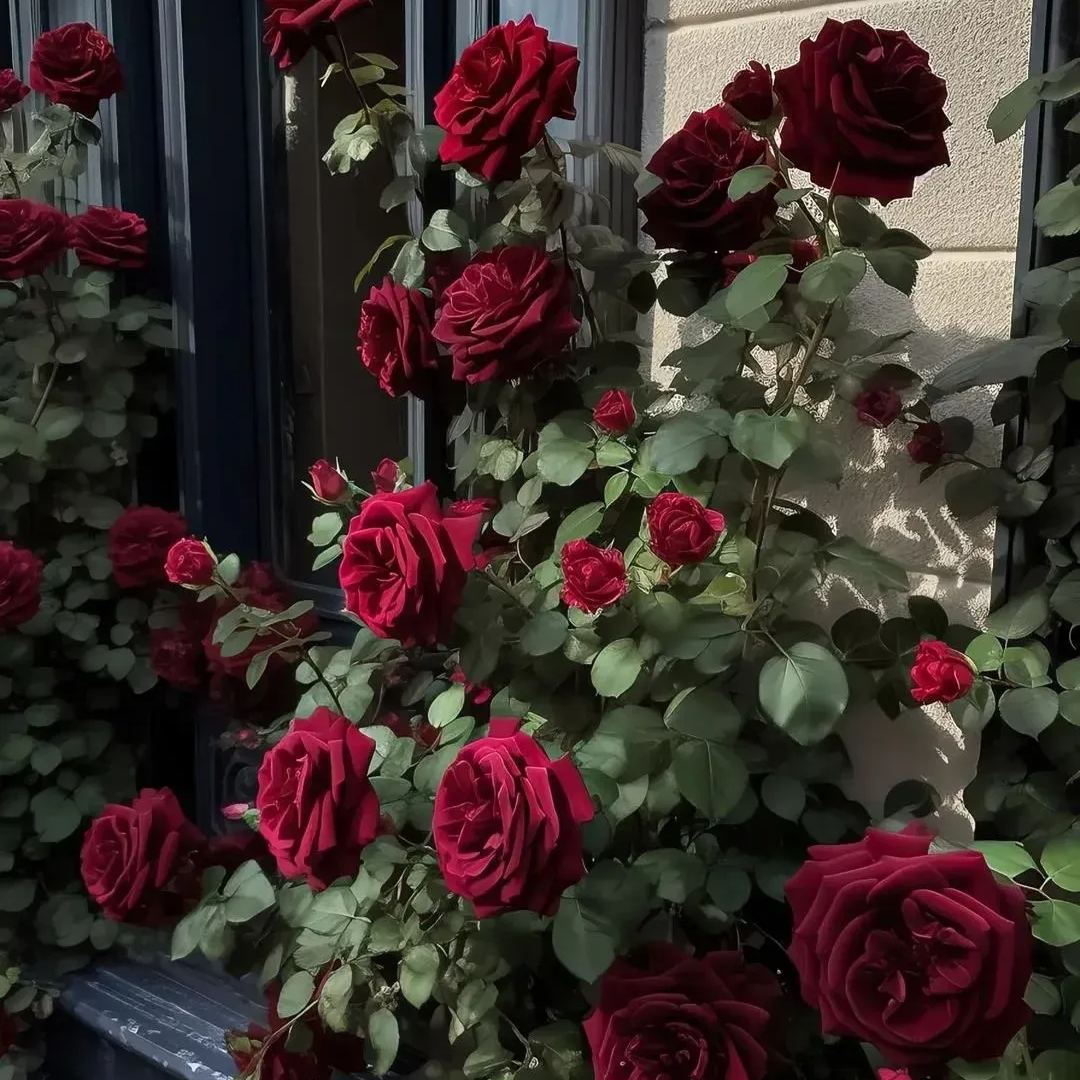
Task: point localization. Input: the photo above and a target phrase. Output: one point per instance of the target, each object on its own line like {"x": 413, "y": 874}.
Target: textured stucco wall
{"x": 968, "y": 215}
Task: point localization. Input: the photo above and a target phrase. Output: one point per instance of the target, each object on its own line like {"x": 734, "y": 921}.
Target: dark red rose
{"x": 501, "y": 93}
{"x": 404, "y": 564}
{"x": 893, "y": 1074}
{"x": 750, "y": 93}
{"x": 139, "y": 862}
{"x": 927, "y": 444}
{"x": 878, "y": 408}
{"x": 803, "y": 253}
{"x": 507, "y": 823}
{"x": 177, "y": 657}
{"x": 940, "y": 673}
{"x": 863, "y": 111}
{"x": 508, "y": 313}
{"x": 317, "y": 809}
{"x": 12, "y": 91}
{"x": 75, "y": 65}
{"x": 20, "y": 585}
{"x": 681, "y": 530}
{"x": 384, "y": 476}
{"x": 665, "y": 1015}
{"x": 925, "y": 957}
{"x": 593, "y": 577}
{"x": 9, "y": 1031}
{"x": 32, "y": 235}
{"x": 394, "y": 341}
{"x": 107, "y": 237}
{"x": 471, "y": 507}
{"x": 340, "y": 1051}
{"x": 690, "y": 209}
{"x": 139, "y": 541}
{"x": 614, "y": 412}
{"x": 291, "y": 27}
{"x": 189, "y": 562}
{"x": 328, "y": 482}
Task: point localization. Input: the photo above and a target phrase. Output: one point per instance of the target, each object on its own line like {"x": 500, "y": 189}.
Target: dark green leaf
{"x": 805, "y": 691}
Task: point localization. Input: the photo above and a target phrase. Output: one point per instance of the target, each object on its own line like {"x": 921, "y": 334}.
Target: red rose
{"x": 893, "y": 1074}
{"x": 501, "y": 93}
{"x": 139, "y": 540}
{"x": 665, "y": 1013}
{"x": 927, "y": 444}
{"x": 104, "y": 236}
{"x": 394, "y": 341}
{"x": 926, "y": 957}
{"x": 32, "y": 235}
{"x": 508, "y": 312}
{"x": 328, "y": 483}
{"x": 177, "y": 657}
{"x": 803, "y": 253}
{"x": 593, "y": 578}
{"x": 12, "y": 91}
{"x": 189, "y": 562}
{"x": 20, "y": 585}
{"x": 75, "y": 65}
{"x": 690, "y": 209}
{"x": 384, "y": 476}
{"x": 139, "y": 862}
{"x": 614, "y": 412}
{"x": 506, "y": 823}
{"x": 9, "y": 1031}
{"x": 317, "y": 809}
{"x": 750, "y": 93}
{"x": 863, "y": 111}
{"x": 471, "y": 507}
{"x": 681, "y": 530}
{"x": 404, "y": 563}
{"x": 878, "y": 408}
{"x": 940, "y": 673}
{"x": 291, "y": 27}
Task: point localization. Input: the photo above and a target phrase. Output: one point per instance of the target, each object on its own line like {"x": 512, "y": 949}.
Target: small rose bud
{"x": 329, "y": 484}
{"x": 750, "y": 93}
{"x": 615, "y": 412}
{"x": 384, "y": 477}
{"x": 927, "y": 444}
{"x": 190, "y": 563}
{"x": 878, "y": 408}
{"x": 235, "y": 811}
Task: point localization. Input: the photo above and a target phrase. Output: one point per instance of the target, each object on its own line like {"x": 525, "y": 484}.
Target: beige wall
{"x": 968, "y": 215}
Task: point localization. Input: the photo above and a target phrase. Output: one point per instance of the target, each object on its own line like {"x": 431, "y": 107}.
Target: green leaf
{"x": 747, "y": 181}
{"x": 680, "y": 444}
{"x": 563, "y": 461}
{"x": 710, "y": 777}
{"x": 1005, "y": 857}
{"x": 1029, "y": 709}
{"x": 998, "y": 362}
{"x": 499, "y": 458}
{"x": 854, "y": 558}
{"x": 1061, "y": 861}
{"x": 614, "y": 488}
{"x": 334, "y": 999}
{"x": 296, "y": 993}
{"x": 447, "y": 231}
{"x": 417, "y": 974}
{"x": 55, "y": 815}
{"x": 584, "y": 942}
{"x": 805, "y": 691}
{"x": 544, "y": 633}
{"x": 1065, "y": 599}
{"x": 1057, "y": 213}
{"x": 325, "y": 528}
{"x": 189, "y": 931}
{"x": 248, "y": 893}
{"x": 985, "y": 652}
{"x": 447, "y": 706}
{"x": 1019, "y": 617}
{"x": 755, "y": 285}
{"x": 59, "y": 421}
{"x": 895, "y": 267}
{"x": 16, "y": 894}
{"x": 1056, "y": 1065}
{"x": 400, "y": 190}
{"x": 728, "y": 887}
{"x": 579, "y": 523}
{"x": 770, "y": 438}
{"x": 1057, "y": 922}
{"x": 784, "y": 795}
{"x": 616, "y": 667}
{"x": 1008, "y": 115}
{"x": 704, "y": 712}
{"x": 833, "y": 277}
{"x": 672, "y": 872}
{"x": 382, "y": 1041}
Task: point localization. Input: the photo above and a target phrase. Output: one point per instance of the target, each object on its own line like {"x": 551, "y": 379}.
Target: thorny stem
{"x": 45, "y": 395}
{"x": 808, "y": 356}
{"x": 503, "y": 587}
{"x": 818, "y": 227}
{"x": 54, "y": 312}
{"x": 359, "y": 91}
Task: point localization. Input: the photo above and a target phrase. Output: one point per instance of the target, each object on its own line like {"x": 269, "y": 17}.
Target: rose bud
{"x": 940, "y": 673}
{"x": 385, "y": 476}
{"x": 614, "y": 412}
{"x": 750, "y": 93}
{"x": 927, "y": 444}
{"x": 190, "y": 563}
{"x": 328, "y": 483}
{"x": 878, "y": 408}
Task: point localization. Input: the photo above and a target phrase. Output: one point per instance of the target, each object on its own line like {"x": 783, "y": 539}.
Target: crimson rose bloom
{"x": 863, "y": 111}
{"x": 189, "y": 562}
{"x": 177, "y": 657}
{"x": 508, "y": 312}
{"x": 614, "y": 412}
{"x": 924, "y": 956}
{"x": 12, "y": 91}
{"x": 681, "y": 530}
{"x": 750, "y": 93}
{"x": 878, "y": 408}
{"x": 506, "y": 823}
{"x": 75, "y": 65}
{"x": 940, "y": 673}
{"x": 665, "y": 1015}
{"x": 290, "y": 27}
{"x": 394, "y": 340}
{"x": 20, "y": 585}
{"x": 893, "y": 1074}
{"x": 927, "y": 444}
{"x": 104, "y": 236}
{"x": 139, "y": 862}
{"x": 317, "y": 809}
{"x": 384, "y": 476}
{"x": 404, "y": 563}
{"x": 139, "y": 540}
{"x": 328, "y": 483}
{"x": 471, "y": 507}
{"x": 690, "y": 209}
{"x": 593, "y": 577}
{"x": 32, "y": 235}
{"x": 503, "y": 90}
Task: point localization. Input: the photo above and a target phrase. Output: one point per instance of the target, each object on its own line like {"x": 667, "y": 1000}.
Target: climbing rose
{"x": 139, "y": 541}
{"x": 878, "y": 408}
{"x": 681, "y": 530}
{"x": 507, "y": 823}
{"x": 328, "y": 482}
{"x": 663, "y": 1014}
{"x": 750, "y": 93}
{"x": 926, "y": 957}
{"x": 75, "y": 65}
{"x": 593, "y": 577}
{"x": 503, "y": 90}
{"x": 189, "y": 562}
{"x": 394, "y": 339}
{"x": 12, "y": 91}
{"x": 927, "y": 444}
{"x": 32, "y": 235}
{"x": 864, "y": 114}
{"x": 20, "y": 585}
{"x": 317, "y": 808}
{"x": 614, "y": 412}
{"x": 940, "y": 673}
{"x": 104, "y": 236}
{"x": 291, "y": 27}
